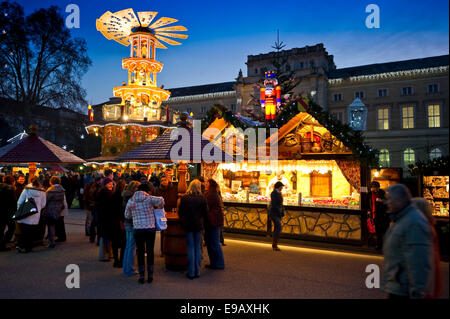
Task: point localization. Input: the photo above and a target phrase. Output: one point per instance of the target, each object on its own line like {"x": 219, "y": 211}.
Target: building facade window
{"x": 233, "y": 107}
{"x": 203, "y": 109}
{"x": 408, "y": 116}
{"x": 256, "y": 71}
{"x": 288, "y": 68}
{"x": 359, "y": 94}
{"x": 435, "y": 153}
{"x": 382, "y": 93}
{"x": 409, "y": 157}
{"x": 434, "y": 115}
{"x": 384, "y": 158}
{"x": 407, "y": 90}
{"x": 337, "y": 97}
{"x": 433, "y": 88}
{"x": 383, "y": 118}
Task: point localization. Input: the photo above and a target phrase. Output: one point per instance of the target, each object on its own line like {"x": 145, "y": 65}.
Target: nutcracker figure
{"x": 270, "y": 95}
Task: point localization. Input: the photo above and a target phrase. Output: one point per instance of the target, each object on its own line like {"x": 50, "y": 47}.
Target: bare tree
{"x": 40, "y": 62}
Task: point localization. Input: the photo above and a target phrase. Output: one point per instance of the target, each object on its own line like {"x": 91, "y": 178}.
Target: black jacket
{"x": 105, "y": 207}
{"x": 192, "y": 212}
{"x": 380, "y": 207}
{"x": 8, "y": 201}
{"x": 276, "y": 204}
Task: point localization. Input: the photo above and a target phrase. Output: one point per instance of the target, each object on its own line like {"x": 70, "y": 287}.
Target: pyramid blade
{"x": 170, "y": 41}
{"x": 173, "y": 35}
{"x": 174, "y": 28}
{"x": 159, "y": 45}
{"x": 112, "y": 26}
{"x": 146, "y": 17}
{"x": 128, "y": 16}
{"x": 162, "y": 22}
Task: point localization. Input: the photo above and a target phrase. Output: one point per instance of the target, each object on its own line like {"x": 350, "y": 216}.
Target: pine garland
{"x": 428, "y": 168}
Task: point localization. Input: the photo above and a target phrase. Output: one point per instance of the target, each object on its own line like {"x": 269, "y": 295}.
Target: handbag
{"x": 160, "y": 219}
{"x": 27, "y": 208}
{"x": 370, "y": 226}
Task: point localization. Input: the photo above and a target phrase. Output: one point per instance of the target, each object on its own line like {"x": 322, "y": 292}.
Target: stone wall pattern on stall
{"x": 326, "y": 225}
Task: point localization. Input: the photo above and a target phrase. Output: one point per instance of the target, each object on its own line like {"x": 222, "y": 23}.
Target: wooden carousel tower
{"x": 135, "y": 117}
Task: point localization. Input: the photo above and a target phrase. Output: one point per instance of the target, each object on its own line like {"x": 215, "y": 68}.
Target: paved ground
{"x": 253, "y": 270}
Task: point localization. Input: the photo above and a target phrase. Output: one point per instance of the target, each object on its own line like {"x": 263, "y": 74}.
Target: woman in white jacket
{"x": 29, "y": 224}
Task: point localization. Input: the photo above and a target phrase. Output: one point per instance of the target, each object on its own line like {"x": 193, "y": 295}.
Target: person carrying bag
{"x": 160, "y": 219}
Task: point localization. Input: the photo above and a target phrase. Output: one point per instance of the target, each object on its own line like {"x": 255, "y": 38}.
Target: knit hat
{"x": 106, "y": 181}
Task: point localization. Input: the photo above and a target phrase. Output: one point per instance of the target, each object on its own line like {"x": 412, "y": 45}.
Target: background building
{"x": 60, "y": 126}
{"x": 407, "y": 101}
{"x": 407, "y": 105}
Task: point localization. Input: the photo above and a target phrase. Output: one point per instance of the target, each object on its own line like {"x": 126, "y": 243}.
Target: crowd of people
{"x": 52, "y": 205}
{"x": 120, "y": 220}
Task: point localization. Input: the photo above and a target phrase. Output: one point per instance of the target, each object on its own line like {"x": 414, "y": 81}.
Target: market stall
{"x": 433, "y": 180}
{"x": 324, "y": 196}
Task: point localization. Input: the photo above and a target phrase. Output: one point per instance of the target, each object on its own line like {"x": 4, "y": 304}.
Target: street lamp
{"x": 357, "y": 115}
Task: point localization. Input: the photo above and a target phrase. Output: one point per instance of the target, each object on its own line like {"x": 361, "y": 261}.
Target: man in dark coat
{"x": 8, "y": 201}
{"x": 20, "y": 185}
{"x": 276, "y": 213}
{"x": 377, "y": 211}
{"x": 169, "y": 192}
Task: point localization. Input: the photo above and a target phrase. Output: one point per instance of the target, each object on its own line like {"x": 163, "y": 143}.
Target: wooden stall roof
{"x": 35, "y": 149}
{"x": 159, "y": 149}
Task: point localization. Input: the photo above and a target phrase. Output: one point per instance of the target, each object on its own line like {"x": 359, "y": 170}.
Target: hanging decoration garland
{"x": 439, "y": 165}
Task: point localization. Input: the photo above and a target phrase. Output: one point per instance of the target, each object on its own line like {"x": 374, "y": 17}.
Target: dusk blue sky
{"x": 223, "y": 33}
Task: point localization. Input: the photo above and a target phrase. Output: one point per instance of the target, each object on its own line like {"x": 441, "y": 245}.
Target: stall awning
{"x": 159, "y": 149}
{"x": 35, "y": 149}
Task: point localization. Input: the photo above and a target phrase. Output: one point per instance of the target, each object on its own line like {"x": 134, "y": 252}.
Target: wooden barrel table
{"x": 175, "y": 248}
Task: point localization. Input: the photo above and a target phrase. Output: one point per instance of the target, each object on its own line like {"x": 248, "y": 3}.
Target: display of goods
{"x": 229, "y": 196}
{"x": 436, "y": 180}
{"x": 261, "y": 198}
{"x": 330, "y": 202}
{"x": 427, "y": 194}
{"x": 440, "y": 193}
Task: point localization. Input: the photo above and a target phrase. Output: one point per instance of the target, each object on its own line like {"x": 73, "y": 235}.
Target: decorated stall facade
{"x": 325, "y": 183}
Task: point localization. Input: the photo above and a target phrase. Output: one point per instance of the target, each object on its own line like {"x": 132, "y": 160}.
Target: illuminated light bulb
{"x": 125, "y": 117}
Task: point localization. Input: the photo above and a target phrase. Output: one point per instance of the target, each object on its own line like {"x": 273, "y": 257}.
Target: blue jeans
{"x": 194, "y": 252}
{"x": 128, "y": 256}
{"x": 212, "y": 236}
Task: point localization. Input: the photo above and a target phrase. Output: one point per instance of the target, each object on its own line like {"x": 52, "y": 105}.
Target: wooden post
{"x": 182, "y": 186}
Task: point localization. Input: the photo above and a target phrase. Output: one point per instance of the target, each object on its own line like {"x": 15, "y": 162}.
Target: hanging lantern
{"x": 90, "y": 113}
{"x": 357, "y": 115}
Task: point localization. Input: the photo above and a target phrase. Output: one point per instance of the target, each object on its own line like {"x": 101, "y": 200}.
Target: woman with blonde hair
{"x": 436, "y": 285}
{"x": 192, "y": 212}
